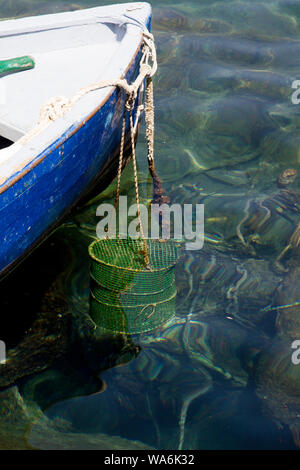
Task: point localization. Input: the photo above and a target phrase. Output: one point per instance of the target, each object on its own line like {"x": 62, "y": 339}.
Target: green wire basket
{"x": 126, "y": 295}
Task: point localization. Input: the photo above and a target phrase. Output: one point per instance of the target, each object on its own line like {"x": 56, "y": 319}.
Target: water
{"x": 219, "y": 374}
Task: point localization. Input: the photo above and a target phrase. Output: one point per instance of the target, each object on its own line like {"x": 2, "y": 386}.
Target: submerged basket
{"x": 127, "y": 296}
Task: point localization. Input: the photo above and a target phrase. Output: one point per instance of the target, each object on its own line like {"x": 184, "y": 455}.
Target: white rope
{"x": 57, "y": 107}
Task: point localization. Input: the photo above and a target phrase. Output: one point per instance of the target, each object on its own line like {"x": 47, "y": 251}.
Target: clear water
{"x": 219, "y": 374}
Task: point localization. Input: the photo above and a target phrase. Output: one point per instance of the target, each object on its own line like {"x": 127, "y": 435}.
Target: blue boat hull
{"x": 39, "y": 198}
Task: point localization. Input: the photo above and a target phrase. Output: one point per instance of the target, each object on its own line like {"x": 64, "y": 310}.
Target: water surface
{"x": 219, "y": 374}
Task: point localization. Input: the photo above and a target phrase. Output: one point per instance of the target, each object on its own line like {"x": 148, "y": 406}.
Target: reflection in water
{"x": 219, "y": 373}
{"x": 278, "y": 379}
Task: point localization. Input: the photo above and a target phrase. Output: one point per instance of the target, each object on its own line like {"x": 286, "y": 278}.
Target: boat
{"x": 61, "y": 118}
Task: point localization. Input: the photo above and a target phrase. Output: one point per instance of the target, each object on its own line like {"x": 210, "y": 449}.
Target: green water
{"x": 219, "y": 374}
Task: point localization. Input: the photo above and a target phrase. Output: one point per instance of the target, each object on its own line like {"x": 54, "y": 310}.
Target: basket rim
{"x": 133, "y": 306}
{"x": 136, "y": 332}
{"x": 91, "y": 247}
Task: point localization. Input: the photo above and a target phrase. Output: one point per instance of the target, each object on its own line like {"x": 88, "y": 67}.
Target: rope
{"x": 57, "y": 107}
{"x": 158, "y": 191}
{"x": 120, "y": 162}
